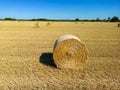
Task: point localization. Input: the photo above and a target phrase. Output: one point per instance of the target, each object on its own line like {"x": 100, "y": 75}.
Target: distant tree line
{"x": 40, "y": 19}
{"x": 113, "y": 19}
{"x": 10, "y": 19}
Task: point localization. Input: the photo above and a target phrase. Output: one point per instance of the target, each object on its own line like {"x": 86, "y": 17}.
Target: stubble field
{"x": 26, "y": 56}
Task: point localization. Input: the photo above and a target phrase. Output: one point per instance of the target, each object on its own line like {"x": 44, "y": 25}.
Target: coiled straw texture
{"x": 69, "y": 52}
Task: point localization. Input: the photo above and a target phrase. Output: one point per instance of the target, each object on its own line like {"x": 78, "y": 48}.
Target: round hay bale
{"x": 48, "y": 24}
{"x": 36, "y": 25}
{"x": 118, "y": 24}
{"x": 69, "y": 52}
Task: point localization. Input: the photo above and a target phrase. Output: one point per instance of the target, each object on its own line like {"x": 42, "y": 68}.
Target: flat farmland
{"x": 26, "y": 56}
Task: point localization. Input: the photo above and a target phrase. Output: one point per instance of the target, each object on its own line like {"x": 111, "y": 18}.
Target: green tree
{"x": 13, "y": 19}
{"x": 104, "y": 20}
{"x": 97, "y": 19}
{"x": 114, "y": 19}
{"x": 108, "y": 19}
{"x": 77, "y": 19}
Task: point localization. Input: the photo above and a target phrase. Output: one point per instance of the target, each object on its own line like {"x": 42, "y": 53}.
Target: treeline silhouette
{"x": 113, "y": 19}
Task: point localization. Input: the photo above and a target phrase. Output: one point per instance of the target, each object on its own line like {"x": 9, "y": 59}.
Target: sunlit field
{"x": 26, "y": 55}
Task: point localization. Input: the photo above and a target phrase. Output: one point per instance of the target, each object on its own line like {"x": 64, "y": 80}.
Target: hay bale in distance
{"x": 69, "y": 52}
{"x": 76, "y": 22}
{"x": 48, "y": 24}
{"x": 36, "y": 25}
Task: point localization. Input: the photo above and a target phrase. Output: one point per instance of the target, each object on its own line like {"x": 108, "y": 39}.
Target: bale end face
{"x": 69, "y": 52}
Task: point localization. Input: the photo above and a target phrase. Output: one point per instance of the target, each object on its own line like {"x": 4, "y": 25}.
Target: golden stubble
{"x": 21, "y": 47}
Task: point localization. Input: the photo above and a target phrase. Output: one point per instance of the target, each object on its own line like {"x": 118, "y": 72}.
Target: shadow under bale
{"x": 118, "y": 24}
{"x": 47, "y": 59}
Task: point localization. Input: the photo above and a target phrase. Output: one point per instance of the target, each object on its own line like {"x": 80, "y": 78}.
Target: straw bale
{"x": 36, "y": 25}
{"x": 48, "y": 24}
{"x": 69, "y": 52}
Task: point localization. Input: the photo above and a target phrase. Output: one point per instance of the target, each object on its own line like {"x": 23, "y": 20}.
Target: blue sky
{"x": 59, "y": 9}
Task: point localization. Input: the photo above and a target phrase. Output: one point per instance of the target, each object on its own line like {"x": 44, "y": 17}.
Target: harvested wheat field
{"x": 26, "y": 61}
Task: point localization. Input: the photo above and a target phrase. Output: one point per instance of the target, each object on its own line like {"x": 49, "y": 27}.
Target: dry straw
{"x": 36, "y": 25}
{"x": 48, "y": 24}
{"x": 69, "y": 52}
{"x": 75, "y": 22}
